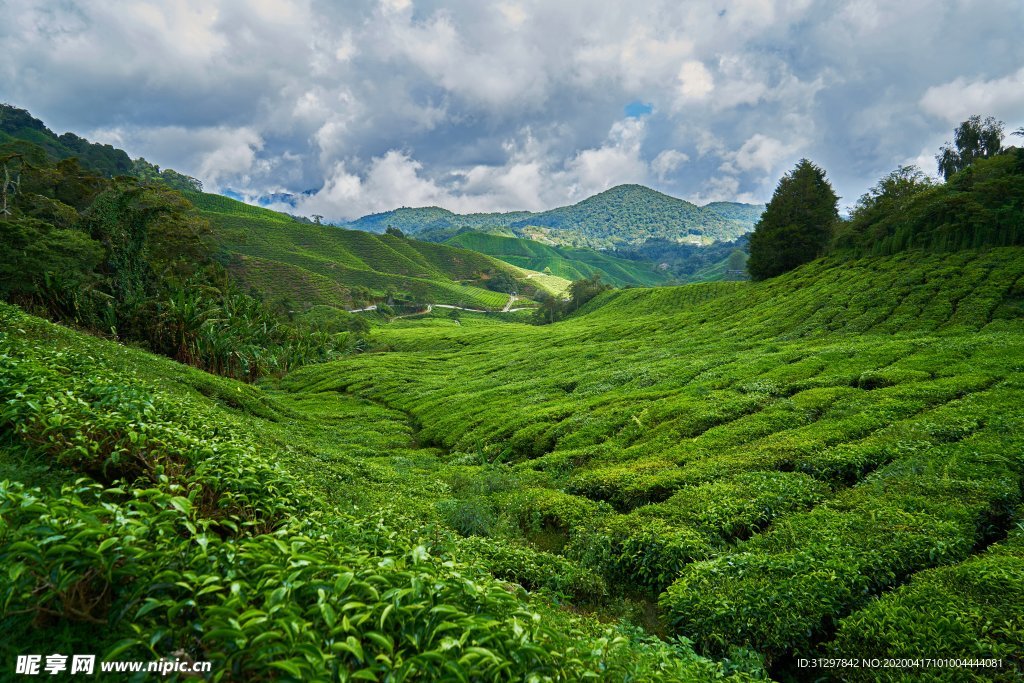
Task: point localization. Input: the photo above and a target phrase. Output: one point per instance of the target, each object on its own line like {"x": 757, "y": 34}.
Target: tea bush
{"x": 202, "y": 549}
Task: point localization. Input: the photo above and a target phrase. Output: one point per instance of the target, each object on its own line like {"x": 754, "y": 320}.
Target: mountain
{"x": 566, "y": 262}
{"x": 707, "y": 482}
{"x": 747, "y": 214}
{"x": 624, "y": 216}
{"x": 275, "y": 255}
{"x": 309, "y": 264}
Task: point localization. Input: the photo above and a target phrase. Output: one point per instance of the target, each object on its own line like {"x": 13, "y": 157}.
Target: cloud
{"x": 373, "y": 104}
{"x": 532, "y": 177}
{"x": 960, "y": 98}
{"x": 763, "y": 153}
{"x": 695, "y": 83}
{"x": 667, "y": 162}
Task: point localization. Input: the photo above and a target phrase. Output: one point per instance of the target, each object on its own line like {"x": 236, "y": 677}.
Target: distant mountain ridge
{"x": 623, "y": 216}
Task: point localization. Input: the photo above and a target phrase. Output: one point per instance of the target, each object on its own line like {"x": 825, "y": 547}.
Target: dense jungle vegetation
{"x": 702, "y": 482}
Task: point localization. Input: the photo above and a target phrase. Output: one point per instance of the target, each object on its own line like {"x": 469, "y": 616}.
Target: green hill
{"x": 277, "y": 535}
{"x": 624, "y": 216}
{"x": 18, "y": 124}
{"x": 704, "y": 482}
{"x": 309, "y": 264}
{"x": 565, "y": 262}
{"x": 848, "y": 431}
{"x": 632, "y": 214}
{"x": 838, "y": 432}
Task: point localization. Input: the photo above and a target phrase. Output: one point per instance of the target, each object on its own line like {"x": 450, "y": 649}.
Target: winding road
{"x": 430, "y": 307}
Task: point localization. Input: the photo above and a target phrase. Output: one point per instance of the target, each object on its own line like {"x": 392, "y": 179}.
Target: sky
{"x": 366, "y": 106}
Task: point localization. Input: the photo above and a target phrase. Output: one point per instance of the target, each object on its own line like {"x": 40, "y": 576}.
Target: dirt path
{"x": 430, "y": 307}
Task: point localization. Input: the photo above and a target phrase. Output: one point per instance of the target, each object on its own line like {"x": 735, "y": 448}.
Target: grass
{"x": 304, "y": 265}
{"x": 855, "y": 416}
{"x": 828, "y": 462}
{"x": 564, "y": 262}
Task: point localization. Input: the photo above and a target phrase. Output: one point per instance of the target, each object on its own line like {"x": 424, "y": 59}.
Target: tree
{"x": 586, "y": 289}
{"x": 394, "y": 232}
{"x": 500, "y": 281}
{"x": 872, "y": 219}
{"x": 974, "y": 139}
{"x": 737, "y": 260}
{"x": 797, "y": 223}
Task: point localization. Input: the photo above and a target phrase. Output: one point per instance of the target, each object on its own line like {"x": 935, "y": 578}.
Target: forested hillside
{"x": 624, "y": 216}
{"x": 212, "y": 282}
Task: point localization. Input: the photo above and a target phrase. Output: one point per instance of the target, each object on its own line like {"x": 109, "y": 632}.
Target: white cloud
{"x": 395, "y": 6}
{"x": 668, "y": 161}
{"x": 232, "y": 155}
{"x": 513, "y": 104}
{"x": 960, "y": 98}
{"x": 695, "y": 83}
{"x": 717, "y": 189}
{"x": 762, "y": 153}
{"x": 616, "y": 162}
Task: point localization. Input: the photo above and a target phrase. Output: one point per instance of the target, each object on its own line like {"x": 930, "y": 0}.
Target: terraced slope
{"x": 315, "y": 264}
{"x": 151, "y": 510}
{"x": 565, "y": 262}
{"x": 827, "y": 463}
{"x": 769, "y": 461}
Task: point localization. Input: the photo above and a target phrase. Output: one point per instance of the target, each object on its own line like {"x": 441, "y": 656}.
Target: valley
{"x": 302, "y": 452}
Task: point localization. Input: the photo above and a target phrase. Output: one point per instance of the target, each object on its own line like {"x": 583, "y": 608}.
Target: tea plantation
{"x": 702, "y": 482}
{"x": 308, "y": 264}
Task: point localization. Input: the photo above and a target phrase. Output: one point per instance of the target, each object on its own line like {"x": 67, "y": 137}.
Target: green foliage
{"x": 983, "y": 205}
{"x": 43, "y": 260}
{"x": 581, "y": 292}
{"x": 970, "y": 610}
{"x": 797, "y": 223}
{"x": 533, "y": 569}
{"x": 974, "y": 139}
{"x": 135, "y": 260}
{"x": 325, "y": 265}
{"x": 565, "y": 262}
{"x": 235, "y": 335}
{"x": 193, "y": 544}
{"x": 501, "y": 281}
{"x": 148, "y": 172}
{"x": 626, "y": 215}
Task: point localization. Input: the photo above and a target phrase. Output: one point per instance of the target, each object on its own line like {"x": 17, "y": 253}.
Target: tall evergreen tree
{"x": 797, "y": 223}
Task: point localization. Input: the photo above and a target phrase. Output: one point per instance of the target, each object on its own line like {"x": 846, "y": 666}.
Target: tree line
{"x": 980, "y": 203}
{"x": 130, "y": 258}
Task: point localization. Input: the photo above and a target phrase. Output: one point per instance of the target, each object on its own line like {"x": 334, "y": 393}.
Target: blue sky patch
{"x": 637, "y": 109}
